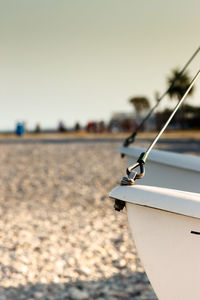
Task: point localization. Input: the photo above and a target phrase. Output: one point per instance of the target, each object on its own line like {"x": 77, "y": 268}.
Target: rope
{"x": 131, "y": 138}
{"x": 133, "y": 175}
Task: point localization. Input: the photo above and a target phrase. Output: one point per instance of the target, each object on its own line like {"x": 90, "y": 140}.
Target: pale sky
{"x": 81, "y": 60}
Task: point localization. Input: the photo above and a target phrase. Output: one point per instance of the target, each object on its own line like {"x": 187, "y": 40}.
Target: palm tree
{"x": 140, "y": 103}
{"x": 178, "y": 86}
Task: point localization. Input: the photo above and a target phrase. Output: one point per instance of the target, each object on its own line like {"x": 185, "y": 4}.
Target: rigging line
{"x": 132, "y": 175}
{"x": 131, "y": 138}
{"x": 171, "y": 116}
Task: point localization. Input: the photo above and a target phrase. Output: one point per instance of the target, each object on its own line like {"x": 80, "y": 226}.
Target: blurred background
{"x": 80, "y": 62}
{"x": 77, "y": 78}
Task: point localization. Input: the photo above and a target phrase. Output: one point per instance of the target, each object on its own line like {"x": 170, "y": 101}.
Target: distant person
{"x": 77, "y": 127}
{"x": 19, "y": 129}
{"x": 101, "y": 126}
{"x": 37, "y": 128}
{"x": 61, "y": 127}
{"x": 91, "y": 127}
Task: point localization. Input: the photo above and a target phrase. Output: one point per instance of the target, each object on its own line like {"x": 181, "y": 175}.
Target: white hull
{"x": 165, "y": 223}
{"x": 167, "y": 169}
{"x": 168, "y": 251}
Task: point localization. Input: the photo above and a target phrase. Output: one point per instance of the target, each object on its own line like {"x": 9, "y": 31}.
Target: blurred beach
{"x": 60, "y": 236}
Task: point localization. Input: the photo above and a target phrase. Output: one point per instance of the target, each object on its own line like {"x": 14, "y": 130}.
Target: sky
{"x": 81, "y": 60}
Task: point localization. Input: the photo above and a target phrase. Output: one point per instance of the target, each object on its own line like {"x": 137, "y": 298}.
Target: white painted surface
{"x": 167, "y": 169}
{"x": 180, "y": 202}
{"x": 163, "y": 208}
{"x": 168, "y": 250}
{"x": 161, "y": 221}
{"x": 173, "y": 159}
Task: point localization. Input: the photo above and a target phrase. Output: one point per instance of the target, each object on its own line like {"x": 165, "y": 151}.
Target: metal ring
{"x": 142, "y": 170}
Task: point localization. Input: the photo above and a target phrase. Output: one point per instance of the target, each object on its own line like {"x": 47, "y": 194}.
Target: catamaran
{"x": 163, "y": 211}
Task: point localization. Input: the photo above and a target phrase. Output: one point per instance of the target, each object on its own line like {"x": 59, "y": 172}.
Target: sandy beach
{"x": 60, "y": 236}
